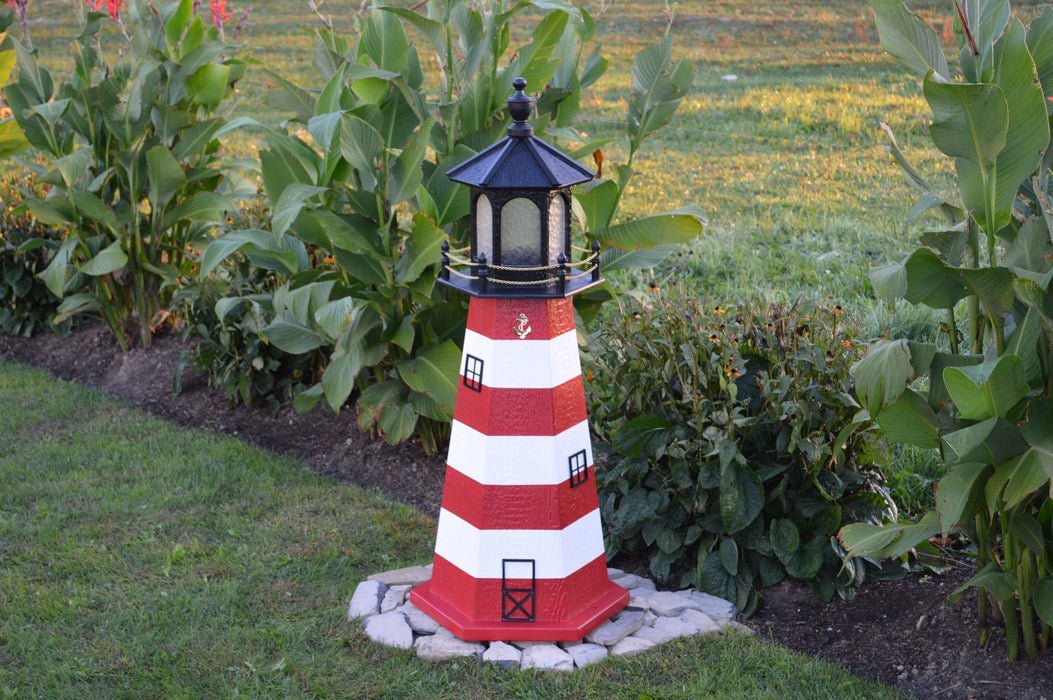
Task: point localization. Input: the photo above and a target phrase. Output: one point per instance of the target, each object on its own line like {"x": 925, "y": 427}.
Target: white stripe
{"x": 558, "y": 553}
{"x": 513, "y": 460}
{"x": 524, "y": 364}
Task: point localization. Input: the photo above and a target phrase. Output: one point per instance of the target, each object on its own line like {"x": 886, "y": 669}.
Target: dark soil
{"x": 896, "y": 632}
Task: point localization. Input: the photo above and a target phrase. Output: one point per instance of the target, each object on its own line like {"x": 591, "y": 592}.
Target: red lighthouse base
{"x": 470, "y": 628}
{"x": 519, "y": 550}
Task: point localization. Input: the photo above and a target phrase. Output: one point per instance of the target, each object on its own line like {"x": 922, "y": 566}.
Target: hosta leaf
{"x": 422, "y": 249}
{"x": 741, "y": 497}
{"x": 785, "y": 539}
{"x": 1027, "y": 474}
{"x": 289, "y": 205}
{"x": 807, "y": 562}
{"x": 209, "y": 84}
{"x": 887, "y": 541}
{"x": 165, "y": 175}
{"x": 715, "y": 580}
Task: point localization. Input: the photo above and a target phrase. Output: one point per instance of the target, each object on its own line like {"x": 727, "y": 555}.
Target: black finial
{"x": 519, "y": 106}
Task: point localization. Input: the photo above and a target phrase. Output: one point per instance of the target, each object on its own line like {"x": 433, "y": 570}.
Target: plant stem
{"x": 952, "y": 330}
{"x": 1024, "y": 577}
{"x": 981, "y": 562}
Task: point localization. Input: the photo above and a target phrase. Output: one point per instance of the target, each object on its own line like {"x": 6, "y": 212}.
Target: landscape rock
{"x": 419, "y": 621}
{"x": 631, "y": 581}
{"x": 408, "y": 576}
{"x": 366, "y": 599}
{"x": 547, "y": 657}
{"x": 666, "y": 629}
{"x": 631, "y": 646}
{"x": 614, "y": 630}
{"x": 394, "y": 598}
{"x": 717, "y": 608}
{"x": 391, "y": 629}
{"x": 704, "y": 623}
{"x": 585, "y": 654}
{"x": 442, "y": 647}
{"x": 669, "y": 604}
{"x": 504, "y": 655}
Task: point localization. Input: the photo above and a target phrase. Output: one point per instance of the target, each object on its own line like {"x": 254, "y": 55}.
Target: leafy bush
{"x": 360, "y": 175}
{"x": 26, "y": 305}
{"x": 731, "y": 450}
{"x": 985, "y": 405}
{"x": 133, "y": 157}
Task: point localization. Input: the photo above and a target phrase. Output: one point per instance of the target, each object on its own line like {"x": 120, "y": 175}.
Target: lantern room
{"x": 520, "y": 217}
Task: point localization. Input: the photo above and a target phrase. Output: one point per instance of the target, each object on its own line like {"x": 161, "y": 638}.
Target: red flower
{"x": 220, "y": 14}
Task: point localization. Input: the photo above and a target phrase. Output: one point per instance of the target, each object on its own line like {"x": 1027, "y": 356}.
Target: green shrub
{"x": 732, "y": 457}
{"x": 26, "y": 245}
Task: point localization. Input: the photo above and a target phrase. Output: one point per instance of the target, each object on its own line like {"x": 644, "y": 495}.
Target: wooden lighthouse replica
{"x": 519, "y": 552}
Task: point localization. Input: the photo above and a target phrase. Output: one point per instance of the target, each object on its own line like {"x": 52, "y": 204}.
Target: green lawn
{"x": 140, "y": 560}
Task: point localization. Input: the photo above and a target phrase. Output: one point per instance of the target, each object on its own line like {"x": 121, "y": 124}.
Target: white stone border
{"x": 652, "y": 617}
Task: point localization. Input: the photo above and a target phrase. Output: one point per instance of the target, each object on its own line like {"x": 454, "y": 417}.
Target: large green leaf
{"x": 291, "y": 202}
{"x": 406, "y": 174}
{"x": 1001, "y": 585}
{"x": 221, "y": 248}
{"x": 882, "y": 375}
{"x": 1026, "y": 474}
{"x": 165, "y": 175}
{"x": 54, "y": 275}
{"x": 433, "y": 371}
{"x": 970, "y": 120}
{"x": 339, "y": 378}
{"x": 991, "y": 193}
{"x": 209, "y": 84}
{"x": 1040, "y": 44}
{"x": 361, "y": 145}
{"x": 992, "y": 441}
{"x": 291, "y": 337}
{"x": 422, "y": 249}
{"x": 384, "y": 41}
{"x": 599, "y": 204}
{"x": 931, "y": 282}
{"x": 988, "y": 390}
{"x": 909, "y": 38}
{"x": 656, "y": 90}
{"x": 994, "y": 287}
{"x": 741, "y": 497}
{"x": 910, "y": 420}
{"x": 109, "y": 259}
{"x": 961, "y": 493}
{"x": 888, "y": 541}
{"x": 785, "y": 539}
{"x": 661, "y": 229}
{"x": 203, "y": 207}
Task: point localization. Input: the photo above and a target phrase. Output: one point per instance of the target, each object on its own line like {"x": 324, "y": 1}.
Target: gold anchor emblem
{"x": 521, "y": 328}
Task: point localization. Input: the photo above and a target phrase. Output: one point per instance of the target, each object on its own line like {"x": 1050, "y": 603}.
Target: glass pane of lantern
{"x": 557, "y": 229}
{"x": 484, "y": 228}
{"x": 520, "y": 233}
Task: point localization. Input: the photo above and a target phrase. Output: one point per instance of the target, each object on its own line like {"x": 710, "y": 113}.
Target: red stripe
{"x": 526, "y": 507}
{"x": 555, "y": 599}
{"x": 505, "y": 411}
{"x": 497, "y": 318}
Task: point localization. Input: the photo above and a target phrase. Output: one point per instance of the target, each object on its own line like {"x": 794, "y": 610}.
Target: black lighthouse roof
{"x": 520, "y": 160}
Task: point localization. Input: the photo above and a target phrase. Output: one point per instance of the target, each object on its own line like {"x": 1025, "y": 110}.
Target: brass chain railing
{"x": 480, "y": 269}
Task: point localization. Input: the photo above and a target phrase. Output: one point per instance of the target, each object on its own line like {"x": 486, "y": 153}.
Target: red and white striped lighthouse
{"x": 519, "y": 552}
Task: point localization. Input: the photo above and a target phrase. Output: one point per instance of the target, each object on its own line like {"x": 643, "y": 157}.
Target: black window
{"x": 579, "y": 468}
{"x": 473, "y": 373}
{"x": 517, "y": 602}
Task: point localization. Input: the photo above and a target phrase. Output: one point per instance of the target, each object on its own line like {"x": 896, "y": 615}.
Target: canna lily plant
{"x": 133, "y": 160}
{"x": 982, "y": 398}
{"x": 359, "y": 176}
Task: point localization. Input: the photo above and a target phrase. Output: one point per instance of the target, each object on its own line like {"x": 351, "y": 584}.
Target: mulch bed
{"x": 896, "y": 632}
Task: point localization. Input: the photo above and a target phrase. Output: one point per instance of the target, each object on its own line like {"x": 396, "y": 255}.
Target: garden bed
{"x": 897, "y": 632}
